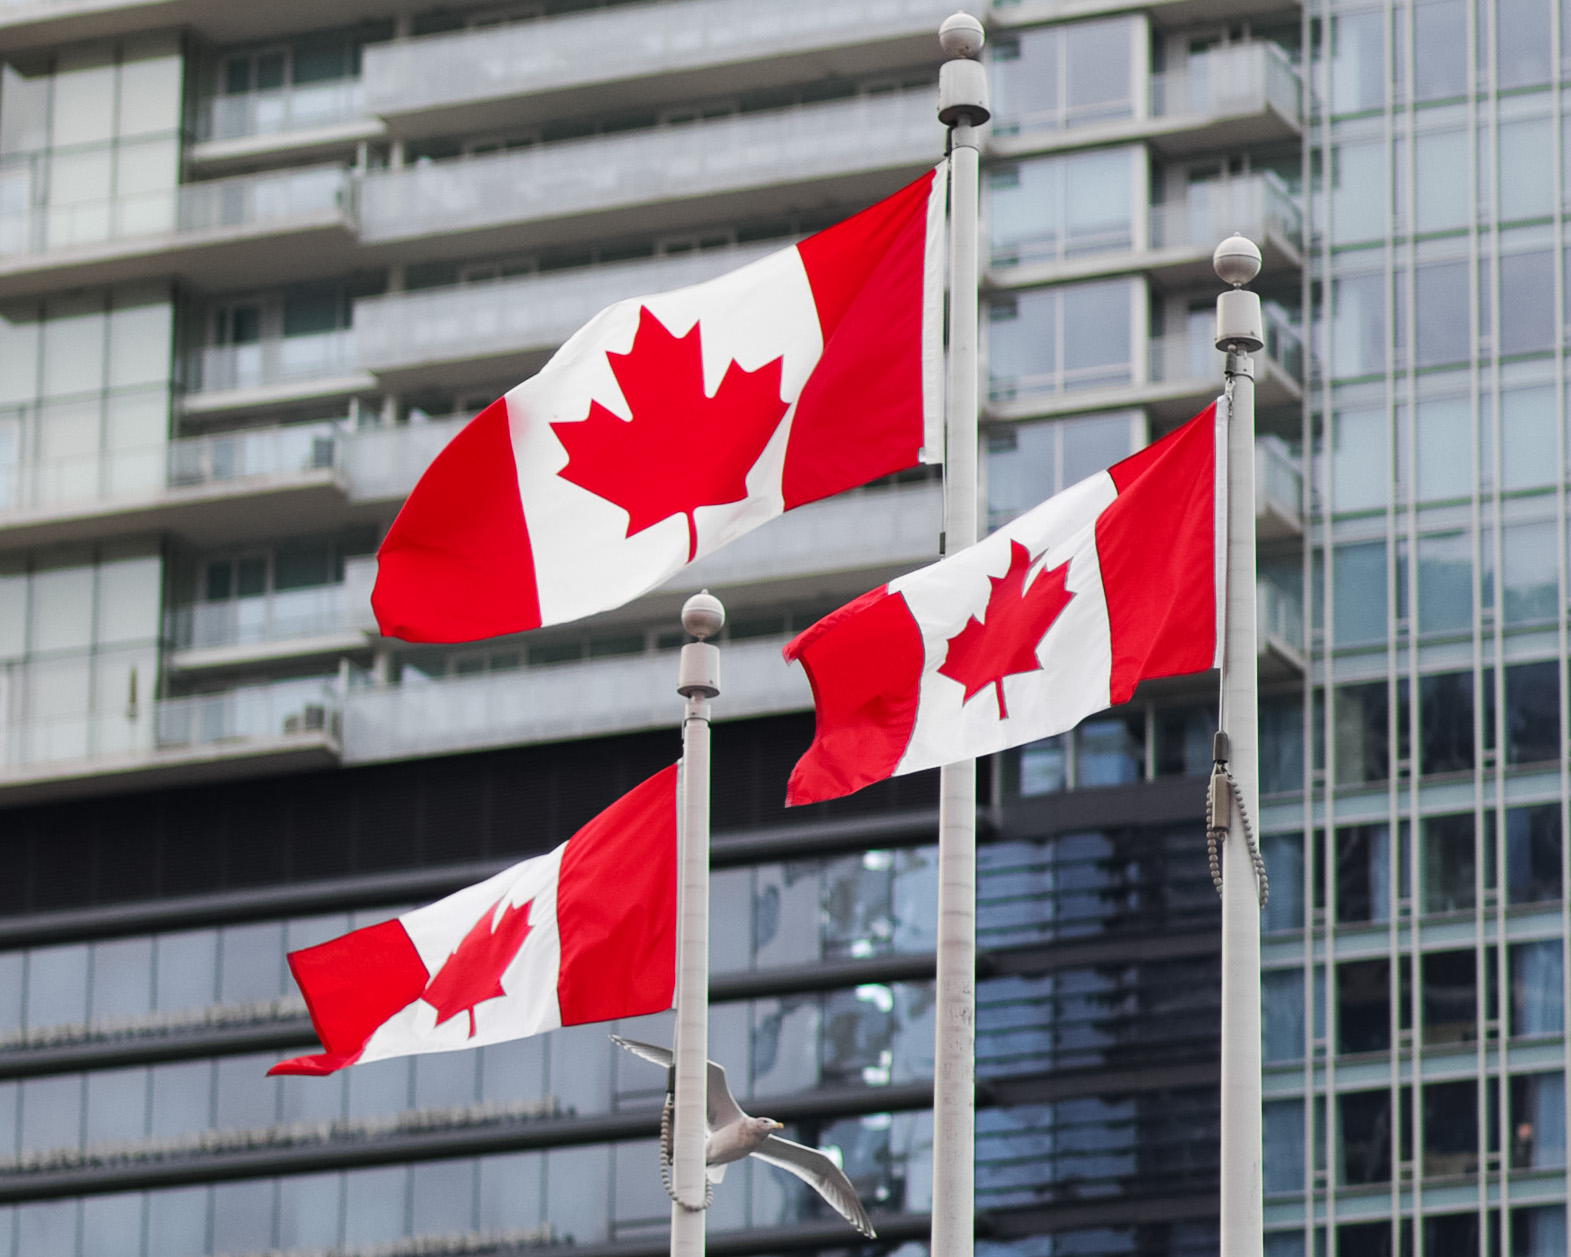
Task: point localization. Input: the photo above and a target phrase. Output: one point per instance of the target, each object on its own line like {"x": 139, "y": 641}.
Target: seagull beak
{"x": 774, "y": 1125}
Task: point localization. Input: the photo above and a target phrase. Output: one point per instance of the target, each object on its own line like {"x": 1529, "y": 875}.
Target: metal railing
{"x": 1280, "y": 616}
{"x": 273, "y": 200}
{"x": 1230, "y": 82}
{"x": 296, "y": 108}
{"x": 1193, "y": 356}
{"x": 384, "y": 463}
{"x": 251, "y": 714}
{"x": 277, "y": 360}
{"x": 1063, "y": 380}
{"x": 625, "y": 41}
{"x": 1254, "y": 205}
{"x": 690, "y": 160}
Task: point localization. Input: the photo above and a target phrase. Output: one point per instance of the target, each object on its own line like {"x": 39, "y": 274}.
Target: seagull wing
{"x": 723, "y": 1108}
{"x": 821, "y": 1174}
{"x": 654, "y": 1055}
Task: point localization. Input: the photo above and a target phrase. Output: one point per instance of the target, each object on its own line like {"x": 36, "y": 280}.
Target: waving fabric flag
{"x": 1054, "y": 617}
{"x": 585, "y": 933}
{"x": 672, "y": 424}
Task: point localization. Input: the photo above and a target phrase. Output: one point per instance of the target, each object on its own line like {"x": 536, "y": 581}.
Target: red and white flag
{"x": 1053, "y": 617}
{"x": 670, "y": 425}
{"x": 585, "y": 933}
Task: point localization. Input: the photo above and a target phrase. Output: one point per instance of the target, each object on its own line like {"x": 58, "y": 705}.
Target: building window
{"x": 1450, "y": 996}
{"x": 1358, "y": 591}
{"x": 1445, "y": 721}
{"x": 1450, "y": 1129}
{"x": 1365, "y": 1122}
{"x": 1283, "y": 1129}
{"x": 1363, "y": 873}
{"x": 1538, "y": 1121}
{"x": 1532, "y": 715}
{"x": 1284, "y": 857}
{"x": 1538, "y": 1231}
{"x": 1064, "y": 76}
{"x": 1363, "y": 1006}
{"x": 1536, "y": 975}
{"x": 1052, "y": 208}
{"x": 1533, "y": 873}
{"x": 1283, "y": 1015}
{"x": 1449, "y": 862}
{"x": 1362, "y": 733}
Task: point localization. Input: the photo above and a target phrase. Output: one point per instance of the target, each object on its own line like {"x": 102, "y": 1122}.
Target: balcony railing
{"x": 278, "y": 360}
{"x": 1279, "y": 481}
{"x": 548, "y": 703}
{"x": 1193, "y": 356}
{"x": 261, "y": 202}
{"x": 1230, "y": 82}
{"x": 516, "y": 315}
{"x": 276, "y": 617}
{"x": 625, "y": 42}
{"x": 384, "y": 463}
{"x": 299, "y": 108}
{"x": 692, "y": 160}
{"x": 1255, "y": 205}
{"x": 269, "y": 455}
{"x": 1280, "y": 617}
{"x": 1063, "y": 380}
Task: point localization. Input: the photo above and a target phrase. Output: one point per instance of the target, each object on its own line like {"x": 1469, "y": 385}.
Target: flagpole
{"x": 962, "y": 99}
{"x": 1238, "y": 333}
{"x": 698, "y": 681}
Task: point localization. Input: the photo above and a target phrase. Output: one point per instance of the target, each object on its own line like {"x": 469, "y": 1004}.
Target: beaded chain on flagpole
{"x": 1223, "y": 791}
{"x": 666, "y": 1114}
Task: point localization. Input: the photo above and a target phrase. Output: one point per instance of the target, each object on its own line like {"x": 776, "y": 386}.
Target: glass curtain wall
{"x": 1415, "y": 1039}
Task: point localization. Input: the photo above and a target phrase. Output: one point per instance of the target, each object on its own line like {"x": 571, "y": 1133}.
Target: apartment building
{"x": 258, "y": 263}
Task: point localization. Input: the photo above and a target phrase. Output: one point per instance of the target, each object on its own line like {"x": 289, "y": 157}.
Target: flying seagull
{"x": 734, "y": 1135}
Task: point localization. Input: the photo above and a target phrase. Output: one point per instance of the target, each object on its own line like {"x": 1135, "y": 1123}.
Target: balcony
{"x": 1244, "y": 94}
{"x": 1184, "y": 371}
{"x": 570, "y": 700}
{"x": 1279, "y": 630}
{"x": 639, "y": 56}
{"x": 318, "y": 120}
{"x": 28, "y": 24}
{"x": 174, "y": 741}
{"x": 291, "y": 624}
{"x": 1279, "y": 492}
{"x": 649, "y": 181}
{"x": 384, "y": 463}
{"x": 1184, "y": 233}
{"x": 235, "y": 232}
{"x": 1229, "y": 97}
{"x": 212, "y": 488}
{"x": 223, "y": 379}
{"x": 441, "y": 335}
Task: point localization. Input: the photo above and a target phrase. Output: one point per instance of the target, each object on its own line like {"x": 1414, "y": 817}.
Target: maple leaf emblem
{"x": 986, "y": 651}
{"x": 473, "y": 973}
{"x": 681, "y": 449}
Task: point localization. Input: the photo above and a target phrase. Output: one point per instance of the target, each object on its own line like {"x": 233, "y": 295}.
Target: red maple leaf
{"x": 681, "y": 449}
{"x": 983, "y": 653}
{"x": 473, "y": 973}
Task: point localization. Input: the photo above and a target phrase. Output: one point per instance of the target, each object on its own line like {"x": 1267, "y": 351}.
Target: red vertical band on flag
{"x": 456, "y": 565}
{"x": 616, "y": 908}
{"x": 1156, "y": 548}
{"x": 864, "y": 663}
{"x": 351, "y": 986}
{"x": 866, "y": 276}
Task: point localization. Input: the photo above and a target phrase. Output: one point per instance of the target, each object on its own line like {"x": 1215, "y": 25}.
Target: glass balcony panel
{"x": 1230, "y": 82}
{"x": 693, "y": 160}
{"x": 1254, "y": 205}
{"x": 276, "y": 112}
{"x": 259, "y": 201}
{"x": 285, "y": 616}
{"x": 323, "y": 355}
{"x": 386, "y": 462}
{"x": 510, "y": 315}
{"x": 635, "y": 41}
{"x": 1191, "y": 355}
{"x": 264, "y": 713}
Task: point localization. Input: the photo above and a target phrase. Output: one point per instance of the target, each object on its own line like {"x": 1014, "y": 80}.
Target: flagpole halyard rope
{"x": 665, "y": 1160}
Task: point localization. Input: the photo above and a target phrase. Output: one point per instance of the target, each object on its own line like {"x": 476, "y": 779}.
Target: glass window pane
{"x": 1363, "y": 873}
{"x": 1533, "y": 854}
{"x": 1538, "y": 1121}
{"x": 177, "y": 1222}
{"x": 509, "y": 1196}
{"x": 1093, "y": 444}
{"x": 251, "y": 964}
{"x": 1527, "y": 307}
{"x": 1532, "y": 718}
{"x": 1358, "y": 62}
{"x": 1097, "y": 69}
{"x": 182, "y": 1097}
{"x": 150, "y": 89}
{"x": 1528, "y": 419}
{"x": 1360, "y": 192}
{"x": 122, "y": 978}
{"x": 1529, "y": 572}
{"x": 1027, "y": 83}
{"x": 1021, "y": 468}
{"x": 1445, "y": 710}
{"x": 112, "y": 1225}
{"x": 116, "y": 1105}
{"x": 187, "y": 970}
{"x": 442, "y": 1196}
{"x": 62, "y": 607}
{"x": 139, "y": 344}
{"x": 1096, "y": 323}
{"x": 243, "y": 1217}
{"x": 73, "y": 348}
{"x": 1449, "y": 862}
{"x": 1365, "y": 1125}
{"x": 1445, "y": 448}
{"x": 1450, "y": 1001}
{"x": 57, "y": 985}
{"x": 308, "y": 1209}
{"x": 577, "y": 1193}
{"x": 374, "y": 1205}
{"x": 1022, "y": 342}
{"x": 1536, "y": 975}
{"x": 1284, "y": 857}
{"x": 1450, "y": 1129}
{"x": 1445, "y": 583}
{"x": 48, "y": 1228}
{"x": 1526, "y": 179}
{"x": 1539, "y": 1231}
{"x": 446, "y": 1080}
{"x": 1099, "y": 200}
{"x": 1439, "y": 50}
{"x": 1363, "y": 1006}
{"x": 1360, "y": 460}
{"x": 1443, "y": 332}
{"x": 1282, "y": 992}
{"x": 1523, "y": 35}
{"x": 1441, "y": 172}
{"x": 379, "y": 1088}
{"x": 1025, "y": 210}
{"x": 1362, "y": 734}
{"x": 51, "y": 1113}
{"x": 1359, "y": 594}
{"x": 1358, "y": 323}
{"x": 247, "y": 1097}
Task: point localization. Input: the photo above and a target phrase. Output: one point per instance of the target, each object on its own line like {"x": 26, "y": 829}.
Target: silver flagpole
{"x": 962, "y": 100}
{"x": 698, "y": 681}
{"x": 1238, "y": 334}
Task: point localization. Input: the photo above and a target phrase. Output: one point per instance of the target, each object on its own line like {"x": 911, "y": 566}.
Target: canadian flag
{"x": 670, "y": 425}
{"x": 1053, "y": 617}
{"x": 585, "y": 933}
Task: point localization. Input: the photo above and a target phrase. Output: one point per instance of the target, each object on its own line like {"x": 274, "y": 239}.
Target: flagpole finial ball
{"x": 961, "y": 35}
{"x": 702, "y": 615}
{"x": 1236, "y": 260}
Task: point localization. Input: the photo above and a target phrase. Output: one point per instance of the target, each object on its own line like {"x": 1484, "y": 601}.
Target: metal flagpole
{"x": 698, "y": 681}
{"x": 962, "y": 100}
{"x": 1238, "y": 334}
